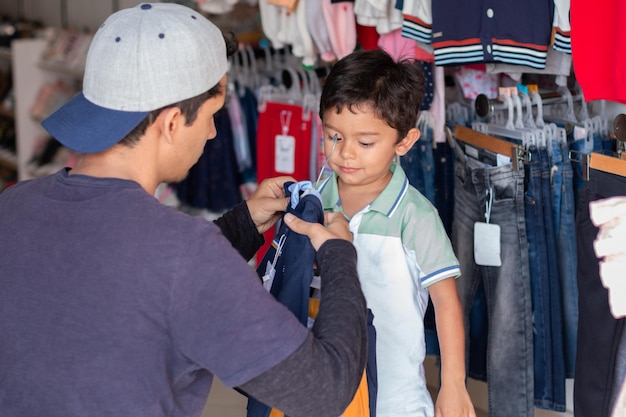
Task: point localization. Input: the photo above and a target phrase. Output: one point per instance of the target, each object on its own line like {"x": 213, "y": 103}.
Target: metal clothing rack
{"x": 619, "y": 127}
{"x": 485, "y": 106}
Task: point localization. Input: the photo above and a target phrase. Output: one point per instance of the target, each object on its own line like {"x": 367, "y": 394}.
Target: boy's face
{"x": 366, "y": 146}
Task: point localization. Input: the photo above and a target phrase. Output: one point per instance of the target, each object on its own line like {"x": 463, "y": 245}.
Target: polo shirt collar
{"x": 386, "y": 203}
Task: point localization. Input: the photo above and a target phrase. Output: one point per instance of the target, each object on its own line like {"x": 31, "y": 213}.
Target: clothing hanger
{"x": 484, "y": 141}
{"x": 607, "y": 163}
{"x": 604, "y": 163}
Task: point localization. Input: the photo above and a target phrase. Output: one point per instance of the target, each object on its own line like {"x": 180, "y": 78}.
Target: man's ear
{"x": 169, "y": 121}
{"x": 407, "y": 142}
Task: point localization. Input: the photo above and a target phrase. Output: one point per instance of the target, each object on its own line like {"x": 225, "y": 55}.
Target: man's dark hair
{"x": 394, "y": 90}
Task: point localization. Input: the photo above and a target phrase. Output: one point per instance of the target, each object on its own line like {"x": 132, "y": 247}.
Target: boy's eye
{"x": 366, "y": 144}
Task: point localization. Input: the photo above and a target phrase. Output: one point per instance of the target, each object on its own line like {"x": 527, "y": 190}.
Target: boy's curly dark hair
{"x": 394, "y": 90}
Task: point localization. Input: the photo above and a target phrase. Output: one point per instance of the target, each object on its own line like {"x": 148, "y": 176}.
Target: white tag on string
{"x": 487, "y": 238}
{"x": 487, "y": 244}
{"x": 270, "y": 268}
{"x": 285, "y": 147}
{"x": 268, "y": 278}
{"x": 285, "y": 154}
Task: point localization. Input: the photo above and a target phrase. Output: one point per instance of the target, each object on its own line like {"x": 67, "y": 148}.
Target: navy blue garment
{"x": 213, "y": 182}
{"x": 250, "y": 109}
{"x": 371, "y": 370}
{"x": 294, "y": 266}
{"x": 429, "y": 88}
{"x": 294, "y": 273}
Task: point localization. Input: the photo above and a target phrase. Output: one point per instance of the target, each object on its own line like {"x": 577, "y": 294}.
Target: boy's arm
{"x": 453, "y": 398}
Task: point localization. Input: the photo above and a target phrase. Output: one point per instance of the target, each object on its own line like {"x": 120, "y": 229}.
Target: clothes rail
{"x": 619, "y": 127}
{"x": 485, "y": 106}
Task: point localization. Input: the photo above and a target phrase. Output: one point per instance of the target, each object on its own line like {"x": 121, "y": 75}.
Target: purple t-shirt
{"x": 105, "y": 293}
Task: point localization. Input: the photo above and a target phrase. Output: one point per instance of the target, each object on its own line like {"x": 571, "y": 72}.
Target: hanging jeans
{"x": 419, "y": 165}
{"x": 549, "y": 370}
{"x": 444, "y": 183}
{"x": 565, "y": 232}
{"x": 507, "y": 288}
{"x": 599, "y": 333}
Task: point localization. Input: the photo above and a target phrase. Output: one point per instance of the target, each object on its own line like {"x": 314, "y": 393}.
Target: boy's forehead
{"x": 354, "y": 108}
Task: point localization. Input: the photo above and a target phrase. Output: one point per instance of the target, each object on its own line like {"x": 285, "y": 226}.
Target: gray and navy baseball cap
{"x": 141, "y": 59}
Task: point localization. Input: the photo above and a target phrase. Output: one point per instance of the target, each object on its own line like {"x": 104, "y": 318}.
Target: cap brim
{"x": 88, "y": 128}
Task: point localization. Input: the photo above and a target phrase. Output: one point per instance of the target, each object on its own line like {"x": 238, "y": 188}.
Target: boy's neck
{"x": 355, "y": 198}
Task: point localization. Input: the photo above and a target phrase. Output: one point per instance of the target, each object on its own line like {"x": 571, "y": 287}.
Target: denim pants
{"x": 419, "y": 165}
{"x": 509, "y": 355}
{"x": 444, "y": 183}
{"x": 565, "y": 232}
{"x": 599, "y": 333}
{"x": 549, "y": 370}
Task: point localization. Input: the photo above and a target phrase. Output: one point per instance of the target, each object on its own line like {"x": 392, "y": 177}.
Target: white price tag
{"x": 487, "y": 244}
{"x": 285, "y": 154}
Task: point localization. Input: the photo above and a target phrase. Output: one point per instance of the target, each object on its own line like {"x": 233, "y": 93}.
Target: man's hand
{"x": 268, "y": 202}
{"x": 336, "y": 227}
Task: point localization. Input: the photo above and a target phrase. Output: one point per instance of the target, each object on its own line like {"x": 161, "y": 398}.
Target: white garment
{"x": 609, "y": 215}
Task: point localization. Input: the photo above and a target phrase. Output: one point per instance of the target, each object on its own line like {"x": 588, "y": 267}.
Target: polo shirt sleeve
{"x": 425, "y": 235}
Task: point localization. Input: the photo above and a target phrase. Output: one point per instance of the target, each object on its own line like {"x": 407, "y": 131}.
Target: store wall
{"x": 82, "y": 14}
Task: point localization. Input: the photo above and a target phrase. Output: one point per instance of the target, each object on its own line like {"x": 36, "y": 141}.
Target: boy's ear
{"x": 407, "y": 142}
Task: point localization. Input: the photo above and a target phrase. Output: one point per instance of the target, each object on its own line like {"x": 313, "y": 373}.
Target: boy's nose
{"x": 346, "y": 150}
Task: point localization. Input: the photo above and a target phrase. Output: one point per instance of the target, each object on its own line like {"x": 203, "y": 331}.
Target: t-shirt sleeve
{"x": 237, "y": 226}
{"x": 221, "y": 317}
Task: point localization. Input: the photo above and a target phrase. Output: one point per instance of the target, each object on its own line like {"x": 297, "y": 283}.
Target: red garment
{"x": 367, "y": 37}
{"x": 283, "y": 146}
{"x": 598, "y": 38}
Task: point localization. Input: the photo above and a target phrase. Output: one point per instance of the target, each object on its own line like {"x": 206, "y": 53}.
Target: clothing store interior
{"x": 532, "y": 88}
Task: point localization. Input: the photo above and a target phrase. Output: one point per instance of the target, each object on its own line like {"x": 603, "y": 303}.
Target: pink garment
{"x": 474, "y": 82}
{"x": 397, "y": 45}
{"x": 341, "y": 25}
{"x": 319, "y": 32}
{"x": 438, "y": 106}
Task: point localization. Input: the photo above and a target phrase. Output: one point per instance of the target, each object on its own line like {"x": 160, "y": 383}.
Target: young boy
{"x": 371, "y": 102}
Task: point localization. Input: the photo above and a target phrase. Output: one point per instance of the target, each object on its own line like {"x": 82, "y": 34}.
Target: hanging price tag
{"x": 487, "y": 244}
{"x": 285, "y": 154}
{"x": 487, "y": 237}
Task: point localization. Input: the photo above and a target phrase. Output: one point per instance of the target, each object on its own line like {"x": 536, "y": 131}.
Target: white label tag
{"x": 285, "y": 154}
{"x": 502, "y": 160}
{"x": 487, "y": 244}
{"x": 268, "y": 278}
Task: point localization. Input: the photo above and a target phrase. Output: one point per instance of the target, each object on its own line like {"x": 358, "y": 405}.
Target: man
{"x": 112, "y": 304}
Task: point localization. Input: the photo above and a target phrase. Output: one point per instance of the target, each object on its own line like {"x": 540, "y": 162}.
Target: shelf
{"x": 5, "y": 54}
{"x": 7, "y": 113}
{"x": 8, "y": 159}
